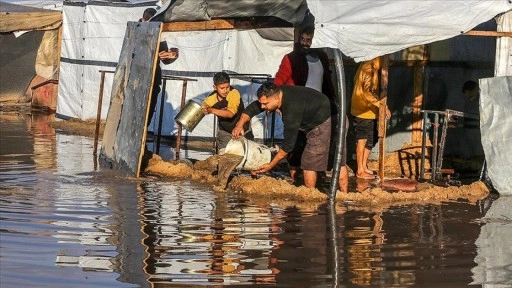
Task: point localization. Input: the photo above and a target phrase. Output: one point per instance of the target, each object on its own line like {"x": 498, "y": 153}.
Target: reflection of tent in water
{"x": 494, "y": 246}
{"x": 30, "y": 60}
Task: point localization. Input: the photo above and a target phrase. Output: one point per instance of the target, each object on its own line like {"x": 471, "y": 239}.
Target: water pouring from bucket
{"x": 190, "y": 115}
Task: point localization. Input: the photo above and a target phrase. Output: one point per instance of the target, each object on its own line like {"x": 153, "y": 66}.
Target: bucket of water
{"x": 254, "y": 154}
{"x": 190, "y": 115}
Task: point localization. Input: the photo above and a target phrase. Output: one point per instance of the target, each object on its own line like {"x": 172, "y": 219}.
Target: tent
{"x": 363, "y": 30}
{"x": 29, "y": 52}
{"x": 93, "y": 32}
{"x": 235, "y": 43}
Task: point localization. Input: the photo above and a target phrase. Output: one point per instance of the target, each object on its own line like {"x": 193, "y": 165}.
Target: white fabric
{"x": 243, "y": 52}
{"x": 495, "y": 111}
{"x": 315, "y": 73}
{"x": 96, "y": 33}
{"x": 90, "y": 33}
{"x": 503, "y": 65}
{"x": 366, "y": 29}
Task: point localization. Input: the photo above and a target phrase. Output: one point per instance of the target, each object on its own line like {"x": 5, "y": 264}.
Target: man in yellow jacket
{"x": 365, "y": 109}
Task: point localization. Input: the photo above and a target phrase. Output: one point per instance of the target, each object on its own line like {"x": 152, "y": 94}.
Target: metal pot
{"x": 190, "y": 115}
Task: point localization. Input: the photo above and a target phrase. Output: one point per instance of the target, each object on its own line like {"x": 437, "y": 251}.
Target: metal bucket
{"x": 190, "y": 115}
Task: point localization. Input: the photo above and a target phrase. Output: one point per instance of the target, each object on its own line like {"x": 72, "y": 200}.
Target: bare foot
{"x": 365, "y": 176}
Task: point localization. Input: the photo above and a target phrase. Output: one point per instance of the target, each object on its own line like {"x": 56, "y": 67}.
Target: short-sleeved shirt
{"x": 302, "y": 108}
{"x": 232, "y": 102}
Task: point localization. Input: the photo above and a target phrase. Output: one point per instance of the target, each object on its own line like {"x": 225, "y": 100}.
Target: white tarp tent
{"x": 92, "y": 37}
{"x": 364, "y": 30}
{"x": 94, "y": 31}
{"x": 495, "y": 108}
{"x": 93, "y": 34}
{"x": 206, "y": 52}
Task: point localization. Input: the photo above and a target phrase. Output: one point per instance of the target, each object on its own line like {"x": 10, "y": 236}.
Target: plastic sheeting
{"x": 503, "y": 66}
{"x": 495, "y": 111}
{"x": 366, "y": 29}
{"x": 47, "y": 59}
{"x": 292, "y": 11}
{"x": 91, "y": 41}
{"x": 204, "y": 53}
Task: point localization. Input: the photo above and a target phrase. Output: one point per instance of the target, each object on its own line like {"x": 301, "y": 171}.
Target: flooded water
{"x": 65, "y": 223}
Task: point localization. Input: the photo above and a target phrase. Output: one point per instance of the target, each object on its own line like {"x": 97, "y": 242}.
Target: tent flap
{"x": 292, "y": 11}
{"x": 366, "y": 29}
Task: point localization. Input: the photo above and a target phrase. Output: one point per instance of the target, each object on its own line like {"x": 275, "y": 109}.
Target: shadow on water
{"x": 64, "y": 224}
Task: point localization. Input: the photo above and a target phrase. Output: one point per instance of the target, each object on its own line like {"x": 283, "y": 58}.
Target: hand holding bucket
{"x": 255, "y": 155}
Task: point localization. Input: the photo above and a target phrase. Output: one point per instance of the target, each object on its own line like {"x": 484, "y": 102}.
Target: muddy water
{"x": 65, "y": 223}
{"x": 227, "y": 163}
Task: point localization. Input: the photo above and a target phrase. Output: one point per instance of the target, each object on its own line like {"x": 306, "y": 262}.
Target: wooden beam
{"x": 417, "y": 104}
{"x": 382, "y": 113}
{"x": 488, "y": 33}
{"x": 198, "y": 25}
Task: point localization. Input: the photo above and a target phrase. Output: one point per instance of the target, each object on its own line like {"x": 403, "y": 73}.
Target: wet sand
{"x": 367, "y": 193}
{"x": 363, "y": 192}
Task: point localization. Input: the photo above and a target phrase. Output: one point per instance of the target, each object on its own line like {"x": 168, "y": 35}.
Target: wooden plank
{"x": 417, "y": 104}
{"x": 221, "y": 24}
{"x": 488, "y": 33}
{"x": 382, "y": 114}
{"x": 125, "y": 129}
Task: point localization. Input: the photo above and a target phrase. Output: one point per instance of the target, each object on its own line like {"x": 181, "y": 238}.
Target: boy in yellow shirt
{"x": 226, "y": 103}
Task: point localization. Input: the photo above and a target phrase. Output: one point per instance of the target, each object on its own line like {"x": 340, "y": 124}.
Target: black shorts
{"x": 294, "y": 157}
{"x": 366, "y": 129}
{"x": 316, "y": 153}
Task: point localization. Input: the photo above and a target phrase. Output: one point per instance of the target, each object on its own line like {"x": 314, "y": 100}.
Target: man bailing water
{"x": 299, "y": 113}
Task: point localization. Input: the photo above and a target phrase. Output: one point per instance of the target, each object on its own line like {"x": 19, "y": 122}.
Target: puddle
{"x": 66, "y": 223}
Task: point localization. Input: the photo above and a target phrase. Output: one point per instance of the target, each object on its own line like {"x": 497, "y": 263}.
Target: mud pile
{"x": 367, "y": 194}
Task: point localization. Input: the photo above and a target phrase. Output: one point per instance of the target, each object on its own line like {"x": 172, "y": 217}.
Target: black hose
{"x": 340, "y": 131}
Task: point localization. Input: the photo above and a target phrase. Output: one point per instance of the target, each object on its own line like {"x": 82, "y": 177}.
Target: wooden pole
{"x": 180, "y": 127}
{"x": 382, "y": 113}
{"x": 161, "y": 115}
{"x": 489, "y": 33}
{"x": 98, "y": 112}
{"x": 417, "y": 103}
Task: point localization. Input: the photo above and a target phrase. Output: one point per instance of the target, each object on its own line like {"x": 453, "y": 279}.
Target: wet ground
{"x": 65, "y": 222}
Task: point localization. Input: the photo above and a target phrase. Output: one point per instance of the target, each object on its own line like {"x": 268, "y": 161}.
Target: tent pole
{"x": 382, "y": 121}
{"x": 340, "y": 135}
{"x": 178, "y": 140}
{"x": 161, "y": 116}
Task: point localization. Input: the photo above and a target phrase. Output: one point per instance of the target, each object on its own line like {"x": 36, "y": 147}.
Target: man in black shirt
{"x": 303, "y": 109}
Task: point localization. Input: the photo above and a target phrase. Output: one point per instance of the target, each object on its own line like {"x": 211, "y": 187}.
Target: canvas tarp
{"x": 92, "y": 38}
{"x": 503, "y": 64}
{"x": 360, "y": 29}
{"x": 495, "y": 111}
{"x": 15, "y": 18}
{"x": 95, "y": 44}
{"x": 366, "y": 29}
{"x": 292, "y": 11}
{"x": 204, "y": 53}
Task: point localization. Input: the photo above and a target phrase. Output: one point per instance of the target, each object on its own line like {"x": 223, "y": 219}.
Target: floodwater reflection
{"x": 66, "y": 224}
